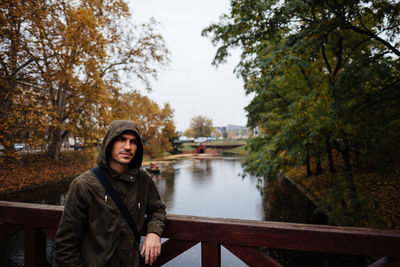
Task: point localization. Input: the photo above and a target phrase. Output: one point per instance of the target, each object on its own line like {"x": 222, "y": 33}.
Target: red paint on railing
{"x": 242, "y": 237}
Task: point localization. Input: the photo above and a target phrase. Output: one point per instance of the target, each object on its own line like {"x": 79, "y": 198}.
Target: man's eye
{"x": 133, "y": 142}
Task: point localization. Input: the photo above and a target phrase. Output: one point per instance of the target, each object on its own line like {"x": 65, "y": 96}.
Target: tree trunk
{"x": 346, "y": 159}
{"x": 319, "y": 169}
{"x": 309, "y": 173}
{"x": 330, "y": 158}
{"x": 55, "y": 143}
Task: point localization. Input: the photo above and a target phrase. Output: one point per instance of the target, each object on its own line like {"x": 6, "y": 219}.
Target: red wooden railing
{"x": 243, "y": 238}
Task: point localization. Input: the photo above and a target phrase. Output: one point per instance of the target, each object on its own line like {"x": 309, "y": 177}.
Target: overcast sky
{"x": 191, "y": 85}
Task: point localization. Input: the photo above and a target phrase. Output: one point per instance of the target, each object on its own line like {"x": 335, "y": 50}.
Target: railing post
{"x": 35, "y": 247}
{"x": 210, "y": 254}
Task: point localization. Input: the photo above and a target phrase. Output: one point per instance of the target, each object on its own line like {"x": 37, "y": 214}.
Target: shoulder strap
{"x": 118, "y": 201}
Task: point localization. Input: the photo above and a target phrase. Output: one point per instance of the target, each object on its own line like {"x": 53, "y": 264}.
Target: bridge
{"x": 218, "y": 146}
{"x": 201, "y": 147}
{"x": 244, "y": 238}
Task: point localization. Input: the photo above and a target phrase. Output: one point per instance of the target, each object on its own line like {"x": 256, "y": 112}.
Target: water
{"x": 199, "y": 187}
{"x": 211, "y": 188}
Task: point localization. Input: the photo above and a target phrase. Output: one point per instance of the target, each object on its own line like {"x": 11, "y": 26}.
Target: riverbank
{"x": 33, "y": 171}
{"x": 374, "y": 202}
{"x": 170, "y": 159}
{"x": 36, "y": 170}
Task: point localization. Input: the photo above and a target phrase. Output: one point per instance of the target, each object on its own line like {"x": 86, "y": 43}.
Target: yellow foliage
{"x": 60, "y": 70}
{"x": 155, "y": 124}
{"x": 35, "y": 169}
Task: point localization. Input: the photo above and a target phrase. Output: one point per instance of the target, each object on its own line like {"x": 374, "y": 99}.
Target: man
{"x": 92, "y": 231}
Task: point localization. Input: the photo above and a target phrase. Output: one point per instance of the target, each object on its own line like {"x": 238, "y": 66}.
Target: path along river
{"x": 200, "y": 187}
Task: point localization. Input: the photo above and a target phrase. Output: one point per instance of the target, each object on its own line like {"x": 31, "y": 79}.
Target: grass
{"x": 238, "y": 151}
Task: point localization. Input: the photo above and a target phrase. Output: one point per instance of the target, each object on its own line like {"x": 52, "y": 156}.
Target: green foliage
{"x": 344, "y": 207}
{"x": 324, "y": 76}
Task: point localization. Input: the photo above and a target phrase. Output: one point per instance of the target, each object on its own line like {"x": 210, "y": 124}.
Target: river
{"x": 199, "y": 187}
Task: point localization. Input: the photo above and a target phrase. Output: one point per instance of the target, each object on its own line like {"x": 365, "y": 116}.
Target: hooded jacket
{"x": 92, "y": 230}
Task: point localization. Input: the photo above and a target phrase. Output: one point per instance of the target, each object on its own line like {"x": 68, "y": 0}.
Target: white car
{"x": 200, "y": 140}
{"x": 19, "y": 147}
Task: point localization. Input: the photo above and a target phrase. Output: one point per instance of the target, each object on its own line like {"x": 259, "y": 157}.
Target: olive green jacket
{"x": 92, "y": 231}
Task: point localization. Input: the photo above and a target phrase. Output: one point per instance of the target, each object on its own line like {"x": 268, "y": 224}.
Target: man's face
{"x": 124, "y": 149}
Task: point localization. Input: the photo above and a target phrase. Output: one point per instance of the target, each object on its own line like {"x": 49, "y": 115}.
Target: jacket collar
{"x": 129, "y": 176}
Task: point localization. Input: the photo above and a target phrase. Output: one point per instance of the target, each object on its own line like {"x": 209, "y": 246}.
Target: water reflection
{"x": 201, "y": 172}
{"x": 282, "y": 201}
{"x": 166, "y": 183}
{"x": 210, "y": 188}
{"x": 53, "y": 194}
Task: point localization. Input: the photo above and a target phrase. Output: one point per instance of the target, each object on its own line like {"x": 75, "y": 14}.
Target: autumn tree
{"x": 20, "y": 111}
{"x": 201, "y": 126}
{"x": 189, "y": 132}
{"x": 324, "y": 76}
{"x": 70, "y": 58}
{"x": 155, "y": 123}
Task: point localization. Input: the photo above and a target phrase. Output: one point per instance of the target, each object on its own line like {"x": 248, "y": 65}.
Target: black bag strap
{"x": 118, "y": 201}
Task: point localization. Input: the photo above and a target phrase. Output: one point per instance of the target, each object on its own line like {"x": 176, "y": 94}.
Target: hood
{"x": 116, "y": 128}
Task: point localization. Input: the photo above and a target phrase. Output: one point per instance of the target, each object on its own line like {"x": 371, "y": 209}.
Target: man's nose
{"x": 127, "y": 145}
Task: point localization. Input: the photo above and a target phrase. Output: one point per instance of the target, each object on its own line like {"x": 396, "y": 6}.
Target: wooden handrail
{"x": 307, "y": 237}
{"x": 241, "y": 237}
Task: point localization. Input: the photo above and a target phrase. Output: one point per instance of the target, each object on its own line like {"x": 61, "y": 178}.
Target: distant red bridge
{"x": 201, "y": 148}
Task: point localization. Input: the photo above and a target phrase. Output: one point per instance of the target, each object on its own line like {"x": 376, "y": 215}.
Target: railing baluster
{"x": 210, "y": 254}
{"x": 35, "y": 247}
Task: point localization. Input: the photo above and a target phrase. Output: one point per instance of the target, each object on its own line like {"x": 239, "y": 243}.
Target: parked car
{"x": 19, "y": 147}
{"x": 183, "y": 139}
{"x": 200, "y": 140}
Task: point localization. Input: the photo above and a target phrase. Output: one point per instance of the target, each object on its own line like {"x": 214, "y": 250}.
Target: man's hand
{"x": 151, "y": 248}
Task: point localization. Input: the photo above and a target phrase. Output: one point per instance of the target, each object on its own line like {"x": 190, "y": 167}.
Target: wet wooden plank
{"x": 253, "y": 256}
